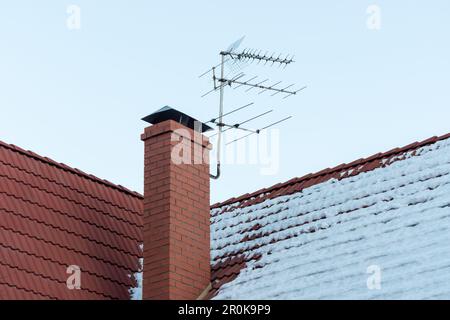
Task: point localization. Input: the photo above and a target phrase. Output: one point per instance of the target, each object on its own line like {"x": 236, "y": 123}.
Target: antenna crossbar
{"x": 232, "y": 111}
{"x": 258, "y": 85}
{"x": 239, "y": 125}
{"x": 259, "y": 130}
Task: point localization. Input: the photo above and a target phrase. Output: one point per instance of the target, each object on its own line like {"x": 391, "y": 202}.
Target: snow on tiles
{"x": 136, "y": 291}
{"x": 322, "y": 242}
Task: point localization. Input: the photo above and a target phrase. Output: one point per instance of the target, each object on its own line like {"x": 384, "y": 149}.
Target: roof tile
{"x": 53, "y": 216}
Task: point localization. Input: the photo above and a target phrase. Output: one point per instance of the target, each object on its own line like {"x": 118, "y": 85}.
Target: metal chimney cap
{"x": 168, "y": 113}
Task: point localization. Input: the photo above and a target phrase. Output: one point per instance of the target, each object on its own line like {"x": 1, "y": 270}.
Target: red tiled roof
{"x": 226, "y": 268}
{"x": 297, "y": 184}
{"x": 53, "y": 216}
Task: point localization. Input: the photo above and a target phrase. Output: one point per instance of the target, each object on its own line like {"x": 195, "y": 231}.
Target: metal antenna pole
{"x": 219, "y": 138}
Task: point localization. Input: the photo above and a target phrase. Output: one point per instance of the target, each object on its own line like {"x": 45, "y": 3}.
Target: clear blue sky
{"x": 78, "y": 95}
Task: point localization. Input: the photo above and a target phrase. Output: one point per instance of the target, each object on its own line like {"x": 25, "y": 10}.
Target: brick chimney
{"x": 176, "y": 207}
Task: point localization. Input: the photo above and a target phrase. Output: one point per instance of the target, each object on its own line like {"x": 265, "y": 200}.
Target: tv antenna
{"x": 235, "y": 60}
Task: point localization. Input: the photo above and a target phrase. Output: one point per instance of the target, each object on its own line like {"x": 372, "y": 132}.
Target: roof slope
{"x": 53, "y": 216}
{"x": 316, "y": 237}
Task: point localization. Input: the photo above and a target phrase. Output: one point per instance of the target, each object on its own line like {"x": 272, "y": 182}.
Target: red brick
{"x": 176, "y": 223}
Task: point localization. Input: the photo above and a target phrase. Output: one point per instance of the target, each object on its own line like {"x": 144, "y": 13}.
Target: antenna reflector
{"x": 235, "y": 44}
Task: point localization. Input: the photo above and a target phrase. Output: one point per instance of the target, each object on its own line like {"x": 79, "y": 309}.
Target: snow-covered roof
{"x": 378, "y": 228}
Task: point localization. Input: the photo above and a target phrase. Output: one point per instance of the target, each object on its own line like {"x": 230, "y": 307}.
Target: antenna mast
{"x": 237, "y": 81}
{"x": 220, "y": 123}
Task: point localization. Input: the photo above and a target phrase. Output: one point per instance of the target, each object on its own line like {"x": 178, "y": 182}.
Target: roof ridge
{"x": 67, "y": 168}
{"x": 335, "y": 169}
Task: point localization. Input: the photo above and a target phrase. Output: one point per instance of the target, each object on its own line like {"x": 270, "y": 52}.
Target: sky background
{"x": 77, "y": 96}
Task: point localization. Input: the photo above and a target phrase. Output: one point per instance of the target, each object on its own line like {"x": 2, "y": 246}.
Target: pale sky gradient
{"x": 78, "y": 96}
